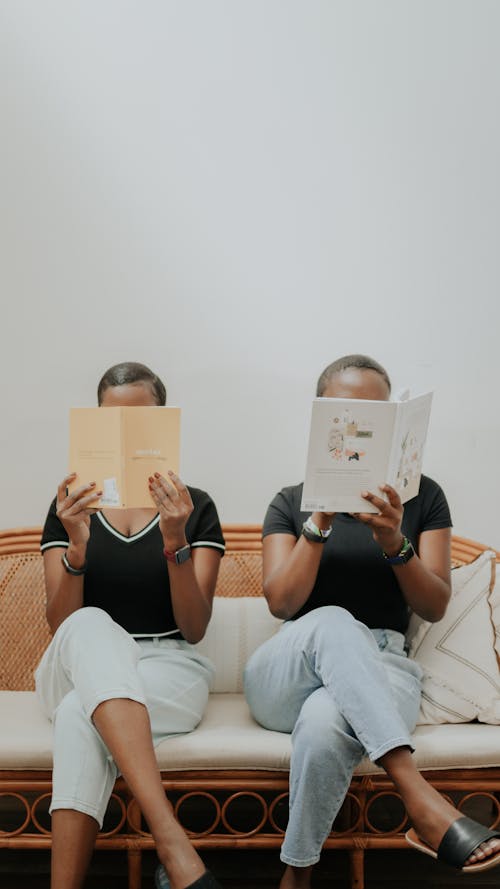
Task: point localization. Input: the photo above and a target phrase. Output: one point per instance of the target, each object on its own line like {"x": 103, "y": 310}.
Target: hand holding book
{"x": 174, "y": 504}
{"x": 386, "y": 524}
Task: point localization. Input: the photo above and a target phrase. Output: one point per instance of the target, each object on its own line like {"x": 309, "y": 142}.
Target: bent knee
{"x": 88, "y": 614}
{"x": 332, "y": 620}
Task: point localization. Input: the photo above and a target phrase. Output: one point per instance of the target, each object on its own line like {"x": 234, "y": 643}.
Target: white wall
{"x": 236, "y": 193}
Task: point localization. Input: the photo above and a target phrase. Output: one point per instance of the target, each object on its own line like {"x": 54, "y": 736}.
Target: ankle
{"x": 296, "y": 878}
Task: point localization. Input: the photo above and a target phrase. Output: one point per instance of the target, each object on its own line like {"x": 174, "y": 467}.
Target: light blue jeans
{"x": 343, "y": 691}
{"x": 92, "y": 659}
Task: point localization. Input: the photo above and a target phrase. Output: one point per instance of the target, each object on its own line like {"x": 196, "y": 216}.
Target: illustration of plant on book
{"x": 410, "y": 459}
{"x": 345, "y": 437}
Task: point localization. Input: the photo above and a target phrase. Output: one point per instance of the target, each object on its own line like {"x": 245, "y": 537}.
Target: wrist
{"x": 73, "y": 570}
{"x": 76, "y": 554}
{"x": 322, "y": 520}
{"x": 173, "y": 542}
{"x": 393, "y": 548}
{"x": 313, "y": 533}
{"x": 404, "y": 554}
{"x": 179, "y": 556}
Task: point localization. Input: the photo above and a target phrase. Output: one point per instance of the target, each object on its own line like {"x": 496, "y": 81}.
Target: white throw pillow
{"x": 495, "y": 613}
{"x": 461, "y": 670}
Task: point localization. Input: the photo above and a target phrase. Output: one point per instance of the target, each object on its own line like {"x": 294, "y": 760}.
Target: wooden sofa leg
{"x": 357, "y": 868}
{"x": 134, "y": 857}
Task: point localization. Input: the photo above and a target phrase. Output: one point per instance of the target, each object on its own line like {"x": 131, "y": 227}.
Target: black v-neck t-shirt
{"x": 128, "y": 576}
{"x": 353, "y": 572}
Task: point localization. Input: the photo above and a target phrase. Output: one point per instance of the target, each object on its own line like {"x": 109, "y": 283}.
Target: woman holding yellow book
{"x": 128, "y": 592}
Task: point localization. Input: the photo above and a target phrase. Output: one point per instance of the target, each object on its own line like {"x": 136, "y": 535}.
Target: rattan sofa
{"x": 229, "y": 778}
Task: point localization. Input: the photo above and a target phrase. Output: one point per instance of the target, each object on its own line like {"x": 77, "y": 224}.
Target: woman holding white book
{"x": 128, "y": 591}
{"x": 336, "y": 675}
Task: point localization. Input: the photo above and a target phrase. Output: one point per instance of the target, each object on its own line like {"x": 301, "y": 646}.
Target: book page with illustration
{"x": 357, "y": 445}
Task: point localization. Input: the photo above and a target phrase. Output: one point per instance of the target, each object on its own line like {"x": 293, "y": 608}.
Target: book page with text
{"x": 151, "y": 443}
{"x": 95, "y": 451}
{"x": 349, "y": 448}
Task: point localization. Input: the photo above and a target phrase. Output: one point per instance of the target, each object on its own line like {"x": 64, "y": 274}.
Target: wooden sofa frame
{"x": 243, "y": 809}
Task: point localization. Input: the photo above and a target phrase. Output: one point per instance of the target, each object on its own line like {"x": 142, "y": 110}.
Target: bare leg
{"x": 125, "y": 729}
{"x": 73, "y": 838}
{"x": 429, "y": 812}
{"x": 296, "y": 878}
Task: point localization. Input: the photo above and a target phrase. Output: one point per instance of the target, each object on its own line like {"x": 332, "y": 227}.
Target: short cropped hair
{"x": 364, "y": 362}
{"x": 130, "y": 372}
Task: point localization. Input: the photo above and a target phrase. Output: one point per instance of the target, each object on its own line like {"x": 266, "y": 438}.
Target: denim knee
{"x": 321, "y": 728}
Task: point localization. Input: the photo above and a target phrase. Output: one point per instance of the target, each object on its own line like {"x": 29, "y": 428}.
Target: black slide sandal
{"x": 206, "y": 881}
{"x": 461, "y": 839}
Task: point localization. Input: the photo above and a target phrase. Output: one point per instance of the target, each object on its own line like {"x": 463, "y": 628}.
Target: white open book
{"x": 357, "y": 445}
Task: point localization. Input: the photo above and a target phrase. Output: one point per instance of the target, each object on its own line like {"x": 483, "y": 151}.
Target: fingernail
{"x": 92, "y": 484}
{"x": 170, "y": 472}
{"x": 157, "y": 475}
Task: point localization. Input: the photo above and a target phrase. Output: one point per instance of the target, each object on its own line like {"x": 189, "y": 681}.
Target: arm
{"x": 192, "y": 584}
{"x": 64, "y": 592}
{"x": 425, "y": 580}
{"x": 290, "y": 568}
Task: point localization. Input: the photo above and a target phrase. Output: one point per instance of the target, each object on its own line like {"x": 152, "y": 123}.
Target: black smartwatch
{"x": 404, "y": 555}
{"x": 179, "y": 556}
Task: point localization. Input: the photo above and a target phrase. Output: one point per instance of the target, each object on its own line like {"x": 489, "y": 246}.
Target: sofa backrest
{"x": 241, "y": 620}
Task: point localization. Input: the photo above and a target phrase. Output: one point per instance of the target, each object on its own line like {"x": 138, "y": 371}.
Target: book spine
{"x": 392, "y": 465}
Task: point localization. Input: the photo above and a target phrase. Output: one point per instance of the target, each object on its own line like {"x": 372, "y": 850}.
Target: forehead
{"x": 357, "y": 382}
{"x": 129, "y": 395}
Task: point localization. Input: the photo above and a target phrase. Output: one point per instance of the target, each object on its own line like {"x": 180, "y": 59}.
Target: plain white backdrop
{"x": 236, "y": 193}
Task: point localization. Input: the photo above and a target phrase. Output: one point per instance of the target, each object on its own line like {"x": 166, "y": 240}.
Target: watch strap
{"x": 316, "y": 535}
{"x": 178, "y": 556}
{"x": 403, "y": 556}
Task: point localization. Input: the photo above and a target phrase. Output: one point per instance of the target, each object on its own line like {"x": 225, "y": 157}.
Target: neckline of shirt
{"x": 109, "y": 527}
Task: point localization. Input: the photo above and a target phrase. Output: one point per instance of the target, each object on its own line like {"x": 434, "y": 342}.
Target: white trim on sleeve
{"x": 209, "y": 543}
{"x": 50, "y": 543}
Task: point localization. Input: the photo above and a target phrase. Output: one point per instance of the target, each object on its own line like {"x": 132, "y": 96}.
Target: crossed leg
{"x": 324, "y": 678}
{"x": 102, "y": 728}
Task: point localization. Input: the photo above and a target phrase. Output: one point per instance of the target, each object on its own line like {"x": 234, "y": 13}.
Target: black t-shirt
{"x": 353, "y": 572}
{"x": 128, "y": 576}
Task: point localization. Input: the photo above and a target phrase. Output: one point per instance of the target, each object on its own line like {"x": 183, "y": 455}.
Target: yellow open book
{"x": 120, "y": 447}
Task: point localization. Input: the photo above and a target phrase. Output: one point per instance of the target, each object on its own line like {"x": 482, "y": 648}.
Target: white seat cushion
{"x": 228, "y": 738}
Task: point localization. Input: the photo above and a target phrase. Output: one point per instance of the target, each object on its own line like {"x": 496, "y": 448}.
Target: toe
{"x": 485, "y": 850}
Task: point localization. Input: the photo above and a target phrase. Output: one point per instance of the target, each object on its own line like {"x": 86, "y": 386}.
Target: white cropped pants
{"x": 92, "y": 659}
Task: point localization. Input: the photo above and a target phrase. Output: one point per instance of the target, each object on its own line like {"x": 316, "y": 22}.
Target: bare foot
{"x": 429, "y": 812}
{"x": 432, "y": 815}
{"x": 183, "y": 865}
